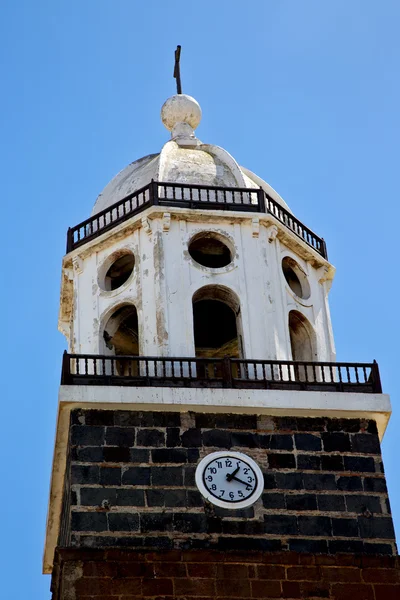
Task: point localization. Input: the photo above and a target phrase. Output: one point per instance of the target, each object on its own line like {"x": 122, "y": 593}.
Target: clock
{"x": 229, "y": 479}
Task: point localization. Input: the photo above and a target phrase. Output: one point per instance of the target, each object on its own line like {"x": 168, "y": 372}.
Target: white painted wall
{"x": 165, "y": 278}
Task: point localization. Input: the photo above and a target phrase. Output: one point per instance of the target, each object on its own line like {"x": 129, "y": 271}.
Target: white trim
{"x": 217, "y": 501}
{"x": 293, "y": 403}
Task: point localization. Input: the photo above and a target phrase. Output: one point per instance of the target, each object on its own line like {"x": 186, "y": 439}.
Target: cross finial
{"x": 177, "y": 70}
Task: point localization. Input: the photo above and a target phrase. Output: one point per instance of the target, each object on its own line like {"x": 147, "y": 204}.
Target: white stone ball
{"x": 180, "y": 109}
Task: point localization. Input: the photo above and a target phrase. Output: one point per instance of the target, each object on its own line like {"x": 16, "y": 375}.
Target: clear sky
{"x": 304, "y": 93}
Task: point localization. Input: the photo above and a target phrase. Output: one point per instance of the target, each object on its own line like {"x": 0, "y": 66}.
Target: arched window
{"x": 303, "y": 345}
{"x": 121, "y": 338}
{"x": 302, "y": 338}
{"x": 216, "y": 323}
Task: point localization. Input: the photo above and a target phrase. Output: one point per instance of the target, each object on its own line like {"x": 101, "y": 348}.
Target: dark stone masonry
{"x": 130, "y": 484}
{"x": 123, "y": 574}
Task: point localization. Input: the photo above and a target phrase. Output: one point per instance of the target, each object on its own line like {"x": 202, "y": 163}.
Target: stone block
{"x": 83, "y": 435}
{"x": 308, "y": 462}
{"x": 300, "y": 502}
{"x": 331, "y": 502}
{"x": 150, "y": 437}
{"x": 217, "y": 438}
{"x": 345, "y": 527}
{"x": 307, "y": 442}
{"x": 110, "y": 476}
{"x": 336, "y": 442}
{"x": 136, "y": 476}
{"x": 167, "y": 476}
{"x": 281, "y": 461}
{"x": 169, "y": 455}
{"x": 280, "y": 524}
{"x": 123, "y": 521}
{"x": 89, "y": 521}
{"x": 318, "y": 526}
{"x": 191, "y": 438}
{"x": 120, "y": 436}
{"x": 359, "y": 463}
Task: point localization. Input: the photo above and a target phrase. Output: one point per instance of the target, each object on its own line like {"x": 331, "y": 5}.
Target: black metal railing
{"x": 189, "y": 196}
{"x": 89, "y": 369}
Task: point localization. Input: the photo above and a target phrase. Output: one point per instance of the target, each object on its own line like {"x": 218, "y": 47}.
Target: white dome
{"x": 184, "y": 159}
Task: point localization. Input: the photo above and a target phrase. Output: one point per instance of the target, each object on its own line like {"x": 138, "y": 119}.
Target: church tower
{"x": 208, "y": 443}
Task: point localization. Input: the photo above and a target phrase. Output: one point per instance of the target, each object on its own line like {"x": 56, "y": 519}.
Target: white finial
{"x": 181, "y": 114}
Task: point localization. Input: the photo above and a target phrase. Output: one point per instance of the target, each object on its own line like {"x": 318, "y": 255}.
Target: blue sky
{"x": 304, "y": 93}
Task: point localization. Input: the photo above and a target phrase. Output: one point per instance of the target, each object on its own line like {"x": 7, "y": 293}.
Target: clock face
{"x": 229, "y": 479}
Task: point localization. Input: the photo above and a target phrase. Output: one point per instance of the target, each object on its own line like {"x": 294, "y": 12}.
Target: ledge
{"x": 271, "y": 402}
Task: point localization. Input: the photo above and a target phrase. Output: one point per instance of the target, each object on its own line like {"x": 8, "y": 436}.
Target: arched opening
{"x": 302, "y": 343}
{"x": 216, "y": 323}
{"x": 121, "y": 338}
{"x": 301, "y": 337}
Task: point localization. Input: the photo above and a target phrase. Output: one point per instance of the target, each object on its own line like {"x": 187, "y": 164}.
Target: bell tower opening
{"x": 216, "y": 323}
{"x": 301, "y": 337}
{"x": 121, "y": 338}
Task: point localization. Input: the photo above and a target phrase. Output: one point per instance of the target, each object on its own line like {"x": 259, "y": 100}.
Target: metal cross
{"x": 177, "y": 70}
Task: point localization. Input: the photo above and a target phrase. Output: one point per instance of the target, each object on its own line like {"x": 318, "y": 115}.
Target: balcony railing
{"x": 189, "y": 196}
{"x": 89, "y": 369}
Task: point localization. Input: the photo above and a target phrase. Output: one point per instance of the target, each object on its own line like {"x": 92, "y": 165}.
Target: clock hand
{"x": 230, "y": 476}
{"x": 240, "y": 481}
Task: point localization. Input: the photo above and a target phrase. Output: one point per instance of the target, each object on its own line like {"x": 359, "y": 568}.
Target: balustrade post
{"x": 324, "y": 249}
{"x": 261, "y": 200}
{"x": 376, "y": 378}
{"x": 70, "y": 240}
{"x": 227, "y": 372}
{"x": 153, "y": 192}
{"x": 65, "y": 369}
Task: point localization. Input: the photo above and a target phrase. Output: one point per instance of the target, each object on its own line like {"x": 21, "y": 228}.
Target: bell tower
{"x": 209, "y": 444}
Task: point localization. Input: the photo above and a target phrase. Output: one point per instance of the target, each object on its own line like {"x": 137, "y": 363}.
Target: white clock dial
{"x": 229, "y": 479}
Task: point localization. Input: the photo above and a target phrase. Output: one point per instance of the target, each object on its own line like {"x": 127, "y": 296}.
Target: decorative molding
{"x": 77, "y": 264}
{"x": 255, "y": 226}
{"x": 323, "y": 274}
{"x": 272, "y": 232}
{"x": 166, "y": 223}
{"x": 146, "y": 225}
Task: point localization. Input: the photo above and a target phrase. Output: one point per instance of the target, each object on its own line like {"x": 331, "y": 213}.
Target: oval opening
{"x": 210, "y": 251}
{"x": 119, "y": 272}
{"x": 296, "y": 278}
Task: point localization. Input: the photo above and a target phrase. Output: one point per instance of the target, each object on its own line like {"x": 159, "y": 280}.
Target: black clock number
{"x": 212, "y": 470}
{"x": 240, "y": 494}
{"x": 222, "y": 492}
{"x": 246, "y": 471}
{"x": 209, "y": 478}
{"x": 231, "y": 495}
{"x": 219, "y": 464}
{"x": 228, "y": 463}
{"x": 213, "y": 487}
{"x": 249, "y": 479}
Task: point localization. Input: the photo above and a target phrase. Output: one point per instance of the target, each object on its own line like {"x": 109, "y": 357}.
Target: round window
{"x": 118, "y": 272}
{"x": 209, "y": 251}
{"x": 296, "y": 278}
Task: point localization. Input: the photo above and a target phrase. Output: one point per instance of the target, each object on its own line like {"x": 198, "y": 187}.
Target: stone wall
{"x": 132, "y": 483}
{"x": 205, "y": 574}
